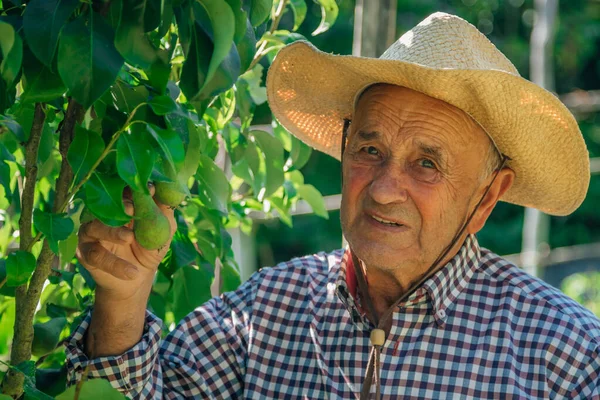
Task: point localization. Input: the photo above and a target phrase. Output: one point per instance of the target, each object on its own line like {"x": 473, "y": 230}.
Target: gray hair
{"x": 493, "y": 160}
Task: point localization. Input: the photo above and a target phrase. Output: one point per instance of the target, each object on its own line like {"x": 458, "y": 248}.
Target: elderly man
{"x": 431, "y": 136}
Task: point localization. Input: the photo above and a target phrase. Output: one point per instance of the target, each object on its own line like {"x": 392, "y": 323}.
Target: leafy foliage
{"x": 584, "y": 288}
{"x": 98, "y": 95}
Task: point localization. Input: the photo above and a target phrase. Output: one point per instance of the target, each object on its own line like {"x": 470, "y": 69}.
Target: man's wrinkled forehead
{"x": 401, "y": 91}
{"x": 469, "y": 121}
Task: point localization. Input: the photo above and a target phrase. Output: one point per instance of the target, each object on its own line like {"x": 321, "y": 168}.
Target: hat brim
{"x": 310, "y": 92}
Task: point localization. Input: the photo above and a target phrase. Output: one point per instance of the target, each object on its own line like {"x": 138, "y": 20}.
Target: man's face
{"x": 415, "y": 162}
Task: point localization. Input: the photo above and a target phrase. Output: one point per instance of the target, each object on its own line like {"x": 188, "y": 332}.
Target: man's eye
{"x": 372, "y": 150}
{"x": 426, "y": 163}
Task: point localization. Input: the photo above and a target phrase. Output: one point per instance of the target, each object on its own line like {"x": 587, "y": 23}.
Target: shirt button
{"x": 441, "y": 314}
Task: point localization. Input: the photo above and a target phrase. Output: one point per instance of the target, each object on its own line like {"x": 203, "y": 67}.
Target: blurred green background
{"x": 575, "y": 239}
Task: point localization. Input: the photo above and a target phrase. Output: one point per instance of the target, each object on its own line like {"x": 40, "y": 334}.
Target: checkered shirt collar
{"x": 441, "y": 290}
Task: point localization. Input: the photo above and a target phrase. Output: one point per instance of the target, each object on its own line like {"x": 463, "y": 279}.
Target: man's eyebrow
{"x": 368, "y": 135}
{"x": 435, "y": 152}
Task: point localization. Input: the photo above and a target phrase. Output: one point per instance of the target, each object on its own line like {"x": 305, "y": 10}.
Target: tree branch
{"x": 75, "y": 114}
{"x": 13, "y": 382}
{"x": 27, "y": 196}
{"x": 27, "y": 298}
{"x": 277, "y": 18}
{"x": 109, "y": 146}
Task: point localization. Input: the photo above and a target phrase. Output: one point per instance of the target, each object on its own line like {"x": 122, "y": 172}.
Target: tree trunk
{"x": 374, "y": 27}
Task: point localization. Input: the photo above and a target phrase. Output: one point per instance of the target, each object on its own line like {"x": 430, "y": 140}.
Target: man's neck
{"x": 385, "y": 286}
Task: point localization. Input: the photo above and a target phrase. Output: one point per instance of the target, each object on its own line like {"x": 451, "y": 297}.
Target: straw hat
{"x": 445, "y": 57}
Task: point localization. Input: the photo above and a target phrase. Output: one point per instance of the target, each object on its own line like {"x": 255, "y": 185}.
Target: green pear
{"x": 173, "y": 193}
{"x": 150, "y": 226}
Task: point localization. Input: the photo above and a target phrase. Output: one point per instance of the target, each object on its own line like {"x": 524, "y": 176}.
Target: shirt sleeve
{"x": 204, "y": 357}
{"x": 127, "y": 372}
{"x": 588, "y": 384}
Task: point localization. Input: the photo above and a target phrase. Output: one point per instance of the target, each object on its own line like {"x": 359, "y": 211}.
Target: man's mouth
{"x": 386, "y": 222}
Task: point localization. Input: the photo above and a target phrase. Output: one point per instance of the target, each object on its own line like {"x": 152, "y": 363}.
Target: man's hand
{"x": 124, "y": 272}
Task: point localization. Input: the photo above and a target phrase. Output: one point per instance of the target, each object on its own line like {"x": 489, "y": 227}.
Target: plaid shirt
{"x": 479, "y": 328}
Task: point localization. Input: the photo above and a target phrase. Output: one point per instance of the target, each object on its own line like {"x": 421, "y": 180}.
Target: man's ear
{"x": 501, "y": 184}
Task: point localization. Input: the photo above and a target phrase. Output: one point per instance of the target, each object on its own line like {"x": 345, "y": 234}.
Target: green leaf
{"x": 19, "y": 267}
{"x": 5, "y": 153}
{"x": 15, "y": 127}
{"x": 240, "y": 19}
{"x": 159, "y": 72}
{"x": 42, "y": 23}
{"x": 283, "y": 135}
{"x": 46, "y": 144}
{"x": 5, "y": 178}
{"x": 314, "y": 199}
{"x": 225, "y": 76}
{"x": 184, "y": 251}
{"x": 170, "y": 147}
{"x": 127, "y": 97}
{"x": 212, "y": 40}
{"x": 85, "y": 150}
{"x": 93, "y": 389}
{"x": 299, "y": 10}
{"x": 152, "y": 14}
{"x": 282, "y": 210}
{"x": 46, "y": 335}
{"x": 157, "y": 305}
{"x": 40, "y": 83}
{"x": 185, "y": 21}
{"x": 329, "y": 13}
{"x": 213, "y": 186}
{"x": 191, "y": 288}
{"x": 31, "y": 391}
{"x": 67, "y": 248}
{"x": 135, "y": 159}
{"x": 273, "y": 162}
{"x": 192, "y": 152}
{"x": 259, "y": 10}
{"x": 24, "y": 117}
{"x": 88, "y": 62}
{"x": 104, "y": 198}
{"x": 12, "y": 53}
{"x": 167, "y": 17}
{"x": 300, "y": 152}
{"x": 162, "y": 105}
{"x": 27, "y": 368}
{"x": 230, "y": 276}
{"x": 246, "y": 47}
{"x": 253, "y": 78}
{"x": 55, "y": 226}
{"x": 8, "y": 291}
{"x": 248, "y": 167}
{"x": 51, "y": 380}
{"x": 131, "y": 39}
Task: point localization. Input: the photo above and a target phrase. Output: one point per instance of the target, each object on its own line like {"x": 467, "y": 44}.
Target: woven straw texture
{"x": 445, "y": 57}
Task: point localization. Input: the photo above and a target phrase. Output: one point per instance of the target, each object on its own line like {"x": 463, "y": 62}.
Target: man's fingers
{"x": 95, "y": 230}
{"x": 94, "y": 256}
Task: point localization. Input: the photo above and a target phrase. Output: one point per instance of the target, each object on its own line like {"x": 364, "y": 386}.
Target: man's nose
{"x": 389, "y": 185}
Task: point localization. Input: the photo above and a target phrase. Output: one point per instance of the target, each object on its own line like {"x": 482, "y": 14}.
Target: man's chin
{"x": 383, "y": 255}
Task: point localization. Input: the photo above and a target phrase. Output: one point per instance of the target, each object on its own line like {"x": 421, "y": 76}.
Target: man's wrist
{"x": 117, "y": 324}
{"x": 112, "y": 332}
